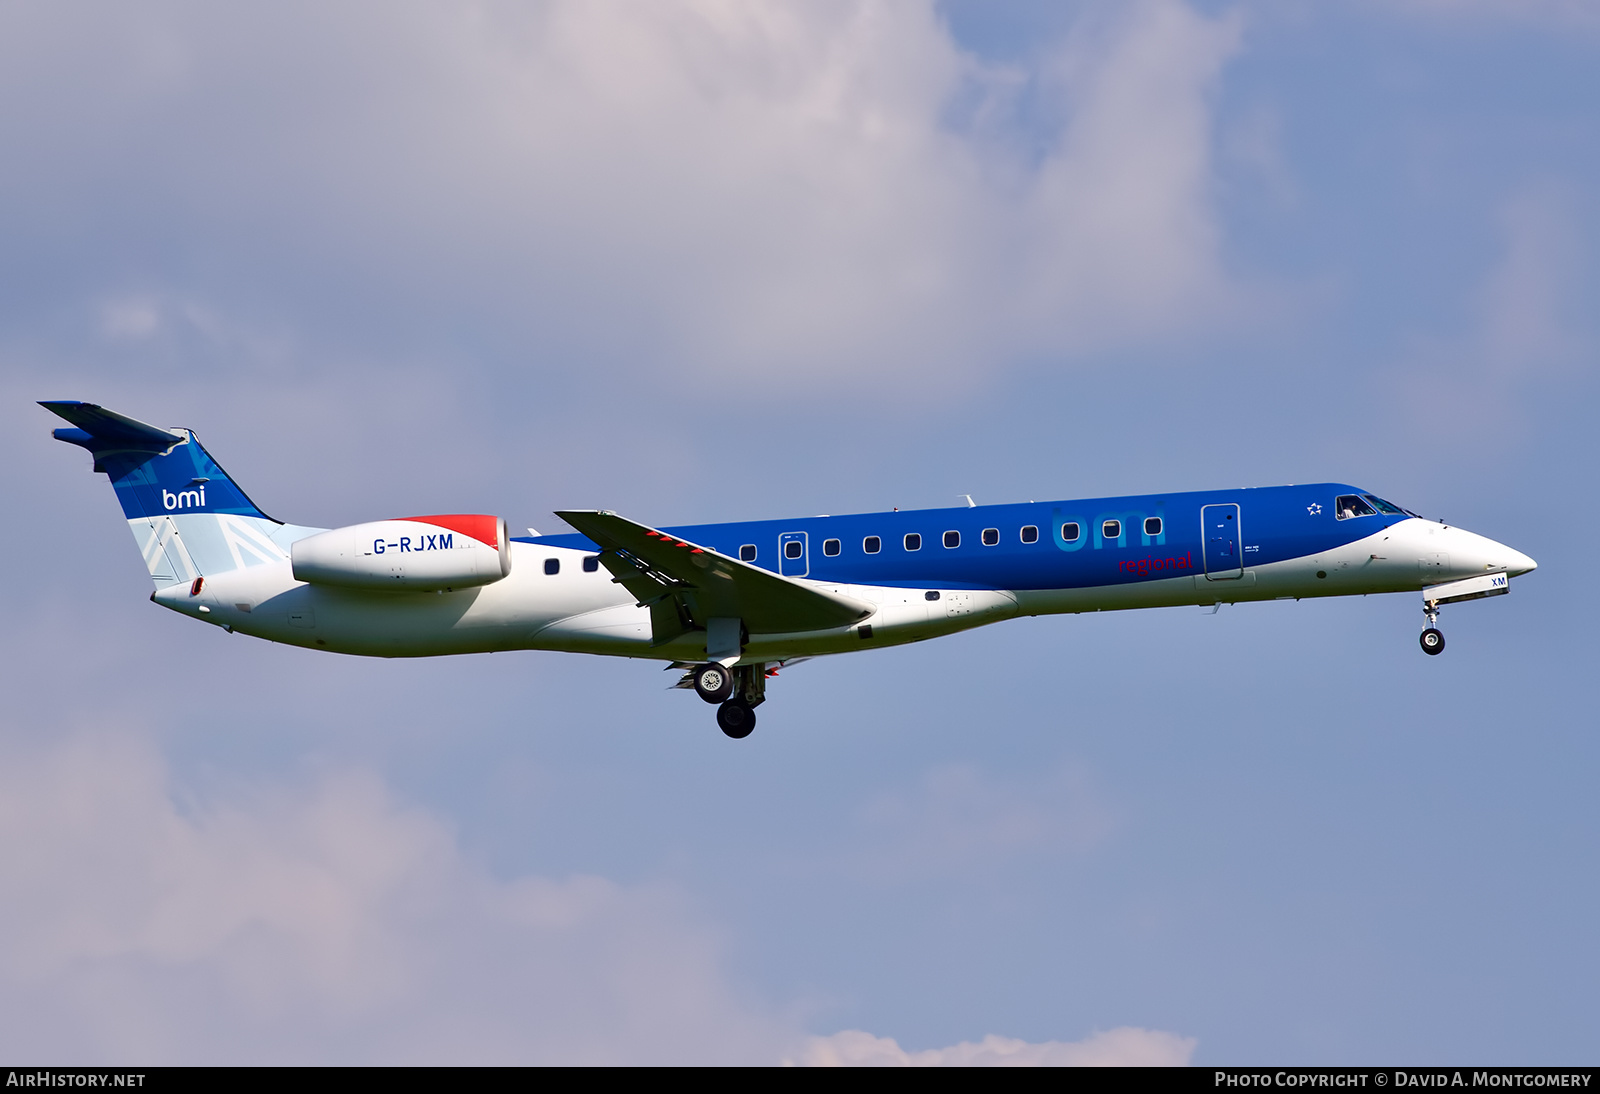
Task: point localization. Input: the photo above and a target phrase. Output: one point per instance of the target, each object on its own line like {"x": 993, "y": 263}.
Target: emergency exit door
{"x": 794, "y": 554}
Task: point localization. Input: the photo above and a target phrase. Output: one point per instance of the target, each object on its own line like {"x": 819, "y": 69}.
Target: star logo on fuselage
{"x": 1314, "y": 508}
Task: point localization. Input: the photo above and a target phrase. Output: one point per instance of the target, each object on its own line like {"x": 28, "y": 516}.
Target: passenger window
{"x": 747, "y": 553}
{"x": 1349, "y": 506}
{"x": 1111, "y": 529}
{"x": 591, "y": 564}
{"x": 1070, "y": 531}
{"x": 931, "y": 594}
{"x": 793, "y": 549}
{"x": 1030, "y": 533}
{"x": 552, "y": 565}
{"x": 871, "y": 545}
{"x": 913, "y": 541}
{"x": 1152, "y": 526}
{"x": 830, "y": 547}
{"x": 991, "y": 536}
{"x": 952, "y": 539}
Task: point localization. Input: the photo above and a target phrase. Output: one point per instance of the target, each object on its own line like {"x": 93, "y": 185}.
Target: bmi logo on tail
{"x": 184, "y": 499}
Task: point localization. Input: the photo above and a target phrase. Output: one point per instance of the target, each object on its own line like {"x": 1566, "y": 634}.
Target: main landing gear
{"x": 738, "y": 691}
{"x": 1432, "y": 638}
{"x": 736, "y": 718}
{"x": 713, "y": 682}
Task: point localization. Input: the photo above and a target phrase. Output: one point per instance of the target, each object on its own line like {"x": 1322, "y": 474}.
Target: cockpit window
{"x": 1387, "y": 507}
{"x": 1349, "y": 505}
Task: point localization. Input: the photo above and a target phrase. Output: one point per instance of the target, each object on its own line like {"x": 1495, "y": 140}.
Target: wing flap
{"x": 658, "y": 568}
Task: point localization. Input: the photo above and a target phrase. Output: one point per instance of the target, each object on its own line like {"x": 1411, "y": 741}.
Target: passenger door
{"x": 1219, "y": 527}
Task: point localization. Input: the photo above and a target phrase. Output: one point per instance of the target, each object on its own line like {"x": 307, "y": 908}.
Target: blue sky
{"x": 713, "y": 262}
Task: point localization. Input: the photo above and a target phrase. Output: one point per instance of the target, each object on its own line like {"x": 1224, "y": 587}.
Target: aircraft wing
{"x": 685, "y": 585}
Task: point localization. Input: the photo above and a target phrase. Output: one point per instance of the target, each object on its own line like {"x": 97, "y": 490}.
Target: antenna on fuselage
{"x": 970, "y": 503}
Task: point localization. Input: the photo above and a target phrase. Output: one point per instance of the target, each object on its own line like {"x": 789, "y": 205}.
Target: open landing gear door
{"x": 1456, "y": 592}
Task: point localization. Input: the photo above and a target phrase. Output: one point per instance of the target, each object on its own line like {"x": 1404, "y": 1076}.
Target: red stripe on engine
{"x": 479, "y": 527}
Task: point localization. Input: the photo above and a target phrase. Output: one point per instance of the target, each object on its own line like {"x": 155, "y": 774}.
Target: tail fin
{"x": 188, "y": 517}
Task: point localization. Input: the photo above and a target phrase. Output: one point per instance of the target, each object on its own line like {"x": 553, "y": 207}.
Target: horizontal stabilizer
{"x": 157, "y": 473}
{"x": 655, "y": 565}
{"x": 104, "y": 431}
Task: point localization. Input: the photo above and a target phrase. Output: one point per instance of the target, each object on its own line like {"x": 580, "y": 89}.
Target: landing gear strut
{"x": 737, "y": 716}
{"x": 737, "y": 692}
{"x": 1432, "y": 638}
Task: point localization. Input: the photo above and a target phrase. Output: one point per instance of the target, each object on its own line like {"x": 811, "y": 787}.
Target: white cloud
{"x": 711, "y": 187}
{"x": 323, "y": 925}
{"x": 130, "y": 320}
{"x": 1528, "y": 307}
{"x": 956, "y": 820}
{"x": 1525, "y": 326}
{"x": 1123, "y": 1047}
{"x": 142, "y": 924}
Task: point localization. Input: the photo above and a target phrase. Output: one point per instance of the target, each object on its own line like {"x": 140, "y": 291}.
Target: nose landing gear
{"x": 1494, "y": 583}
{"x": 1432, "y": 638}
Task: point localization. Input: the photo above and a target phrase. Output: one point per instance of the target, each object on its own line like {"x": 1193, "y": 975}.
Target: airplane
{"x": 730, "y": 604}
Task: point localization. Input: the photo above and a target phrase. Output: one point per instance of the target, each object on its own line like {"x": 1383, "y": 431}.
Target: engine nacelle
{"x": 453, "y": 551}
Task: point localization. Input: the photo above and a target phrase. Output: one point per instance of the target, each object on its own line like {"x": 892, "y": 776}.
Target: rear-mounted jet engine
{"x": 453, "y": 551}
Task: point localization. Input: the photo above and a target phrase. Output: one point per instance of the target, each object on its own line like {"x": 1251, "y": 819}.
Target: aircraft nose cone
{"x": 1469, "y": 553}
{"x": 1499, "y": 556}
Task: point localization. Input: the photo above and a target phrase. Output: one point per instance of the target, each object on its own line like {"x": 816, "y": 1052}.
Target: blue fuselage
{"x": 1098, "y": 542}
